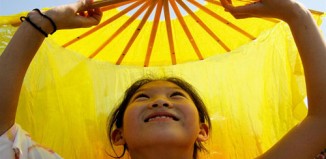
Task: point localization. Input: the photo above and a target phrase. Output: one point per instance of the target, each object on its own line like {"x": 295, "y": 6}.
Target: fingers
{"x": 82, "y": 5}
{"x": 78, "y": 6}
{"x": 227, "y": 4}
{"x": 249, "y": 10}
{"x": 83, "y": 8}
{"x": 76, "y": 15}
{"x": 88, "y": 17}
{"x": 94, "y": 16}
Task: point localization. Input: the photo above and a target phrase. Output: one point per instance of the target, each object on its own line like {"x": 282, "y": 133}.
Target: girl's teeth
{"x": 159, "y": 117}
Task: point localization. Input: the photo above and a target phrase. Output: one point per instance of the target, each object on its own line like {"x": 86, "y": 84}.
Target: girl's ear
{"x": 203, "y": 133}
{"x": 117, "y": 137}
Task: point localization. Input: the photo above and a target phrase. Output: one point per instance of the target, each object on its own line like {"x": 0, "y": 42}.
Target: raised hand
{"x": 281, "y": 9}
{"x": 18, "y": 54}
{"x": 75, "y": 15}
{"x": 309, "y": 136}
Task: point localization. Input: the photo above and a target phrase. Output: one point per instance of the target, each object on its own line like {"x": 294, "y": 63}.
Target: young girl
{"x": 161, "y": 113}
{"x": 163, "y": 118}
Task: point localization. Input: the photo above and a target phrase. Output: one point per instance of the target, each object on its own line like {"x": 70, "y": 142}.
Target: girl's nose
{"x": 161, "y": 102}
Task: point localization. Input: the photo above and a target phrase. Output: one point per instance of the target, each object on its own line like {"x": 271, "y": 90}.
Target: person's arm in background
{"x": 19, "y": 53}
{"x": 309, "y": 137}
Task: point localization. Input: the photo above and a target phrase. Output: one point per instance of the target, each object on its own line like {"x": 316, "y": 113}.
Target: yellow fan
{"x": 162, "y": 32}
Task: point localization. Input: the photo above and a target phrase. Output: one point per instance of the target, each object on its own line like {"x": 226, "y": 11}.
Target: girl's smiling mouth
{"x": 160, "y": 116}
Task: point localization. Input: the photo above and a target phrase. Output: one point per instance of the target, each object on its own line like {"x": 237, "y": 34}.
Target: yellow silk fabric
{"x": 254, "y": 95}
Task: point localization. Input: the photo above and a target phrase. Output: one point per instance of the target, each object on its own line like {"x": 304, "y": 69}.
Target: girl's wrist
{"x": 40, "y": 21}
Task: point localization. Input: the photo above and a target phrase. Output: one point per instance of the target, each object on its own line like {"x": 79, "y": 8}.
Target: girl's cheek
{"x": 131, "y": 113}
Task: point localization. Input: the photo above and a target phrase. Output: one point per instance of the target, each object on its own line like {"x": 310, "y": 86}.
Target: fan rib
{"x": 137, "y": 31}
{"x": 116, "y": 5}
{"x": 123, "y": 27}
{"x": 153, "y": 33}
{"x": 185, "y": 28}
{"x": 213, "y": 14}
{"x": 103, "y": 3}
{"x": 169, "y": 31}
{"x": 203, "y": 25}
{"x": 103, "y": 24}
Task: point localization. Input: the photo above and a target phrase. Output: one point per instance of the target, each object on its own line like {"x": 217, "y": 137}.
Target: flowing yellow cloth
{"x": 254, "y": 95}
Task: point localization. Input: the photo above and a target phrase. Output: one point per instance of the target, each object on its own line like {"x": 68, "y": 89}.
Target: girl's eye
{"x": 141, "y": 96}
{"x": 177, "y": 94}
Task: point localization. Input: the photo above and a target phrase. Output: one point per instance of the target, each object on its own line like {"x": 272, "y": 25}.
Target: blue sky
{"x": 8, "y": 7}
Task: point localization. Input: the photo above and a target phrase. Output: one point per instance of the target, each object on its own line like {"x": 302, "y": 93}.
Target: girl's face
{"x": 160, "y": 113}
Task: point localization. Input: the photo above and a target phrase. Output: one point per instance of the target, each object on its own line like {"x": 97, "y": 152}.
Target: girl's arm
{"x": 308, "y": 138}
{"x": 20, "y": 51}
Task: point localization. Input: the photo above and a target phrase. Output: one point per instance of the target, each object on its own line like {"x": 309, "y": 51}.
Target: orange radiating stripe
{"x": 103, "y": 3}
{"x": 202, "y": 24}
{"x": 104, "y": 23}
{"x": 123, "y": 27}
{"x": 214, "y": 2}
{"x": 116, "y": 5}
{"x": 153, "y": 33}
{"x": 169, "y": 31}
{"x": 221, "y": 19}
{"x": 185, "y": 28}
{"x": 137, "y": 31}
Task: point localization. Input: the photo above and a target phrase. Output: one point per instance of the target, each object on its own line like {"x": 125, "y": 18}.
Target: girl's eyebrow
{"x": 170, "y": 88}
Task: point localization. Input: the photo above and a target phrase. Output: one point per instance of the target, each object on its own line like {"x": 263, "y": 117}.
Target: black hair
{"x": 115, "y": 120}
